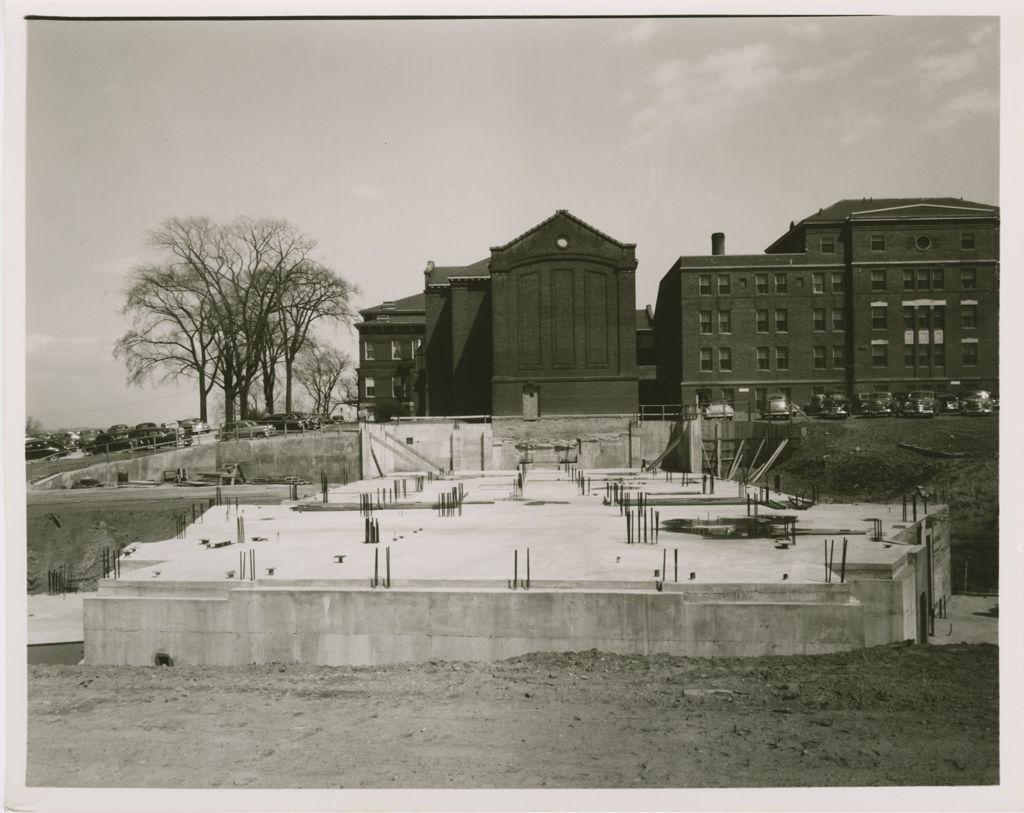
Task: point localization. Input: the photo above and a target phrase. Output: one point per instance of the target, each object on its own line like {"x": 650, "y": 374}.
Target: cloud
{"x": 804, "y": 29}
{"x": 942, "y": 69}
{"x": 638, "y": 34}
{"x": 710, "y": 91}
{"x": 981, "y": 34}
{"x": 366, "y": 191}
{"x": 831, "y": 70}
{"x": 854, "y": 125}
{"x": 976, "y": 102}
{"x": 45, "y": 344}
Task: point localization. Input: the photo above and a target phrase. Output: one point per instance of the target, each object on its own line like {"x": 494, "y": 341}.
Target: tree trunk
{"x": 202, "y": 395}
{"x": 243, "y": 403}
{"x": 268, "y": 389}
{"x": 287, "y": 385}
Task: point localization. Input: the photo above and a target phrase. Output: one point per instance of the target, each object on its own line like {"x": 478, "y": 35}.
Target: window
{"x": 879, "y": 355}
{"x": 704, "y": 285}
{"x": 970, "y": 354}
{"x": 939, "y": 317}
{"x": 828, "y": 245}
{"x": 762, "y": 359}
{"x": 728, "y": 395}
{"x": 724, "y": 286}
{"x": 924, "y": 355}
{"x": 838, "y": 319}
{"x": 761, "y": 283}
{"x": 705, "y": 359}
{"x": 368, "y": 350}
{"x": 908, "y": 355}
{"x": 819, "y": 358}
{"x": 818, "y": 283}
{"x": 837, "y": 282}
{"x": 781, "y": 321}
{"x": 938, "y": 279}
{"x": 878, "y": 280}
{"x": 922, "y": 318}
{"x": 819, "y": 318}
{"x": 743, "y": 283}
{"x": 922, "y": 279}
{"x": 725, "y": 359}
{"x": 969, "y": 314}
{"x": 762, "y": 321}
{"x": 396, "y": 350}
{"x": 939, "y": 355}
{"x": 908, "y": 279}
{"x": 908, "y": 318}
{"x": 878, "y": 242}
{"x": 878, "y": 318}
{"x": 760, "y": 396}
{"x": 396, "y": 388}
{"x": 838, "y": 356}
{"x": 923, "y": 243}
{"x": 725, "y": 321}
{"x": 369, "y": 387}
{"x": 705, "y": 321}
{"x": 781, "y": 358}
{"x": 703, "y": 396}
{"x": 967, "y": 241}
{"x": 780, "y": 283}
{"x": 968, "y": 279}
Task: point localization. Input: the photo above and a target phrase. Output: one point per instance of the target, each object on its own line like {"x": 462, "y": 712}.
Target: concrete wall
{"x": 427, "y": 445}
{"x": 349, "y": 627}
{"x": 302, "y": 456}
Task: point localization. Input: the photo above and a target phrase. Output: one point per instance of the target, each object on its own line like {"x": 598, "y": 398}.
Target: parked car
{"x": 152, "y": 436}
{"x": 948, "y": 404}
{"x": 975, "y": 402}
{"x": 246, "y": 429}
{"x": 876, "y": 407}
{"x": 40, "y": 449}
{"x": 106, "y": 442}
{"x": 872, "y": 400}
{"x": 919, "y": 404}
{"x": 815, "y": 404}
{"x": 87, "y": 436}
{"x": 834, "y": 410}
{"x": 777, "y": 408}
{"x": 718, "y": 410}
{"x": 994, "y": 400}
{"x": 69, "y": 440}
{"x": 195, "y": 425}
{"x": 119, "y": 430}
{"x": 286, "y": 422}
{"x": 147, "y": 425}
{"x": 309, "y": 420}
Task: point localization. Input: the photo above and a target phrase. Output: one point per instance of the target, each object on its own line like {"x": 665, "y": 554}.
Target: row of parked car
{"x": 836, "y": 406}
{"x": 116, "y": 438}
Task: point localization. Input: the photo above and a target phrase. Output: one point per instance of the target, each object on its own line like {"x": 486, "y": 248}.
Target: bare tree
{"x": 321, "y": 370}
{"x": 33, "y": 427}
{"x": 246, "y": 275}
{"x": 173, "y": 329}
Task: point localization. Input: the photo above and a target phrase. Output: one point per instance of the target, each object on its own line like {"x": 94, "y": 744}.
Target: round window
{"x": 924, "y": 242}
{"x": 562, "y": 242}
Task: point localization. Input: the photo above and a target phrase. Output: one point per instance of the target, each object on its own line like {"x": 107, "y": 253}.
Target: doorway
{"x": 531, "y": 397}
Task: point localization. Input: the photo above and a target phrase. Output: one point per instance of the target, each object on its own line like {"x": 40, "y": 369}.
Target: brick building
{"x": 544, "y": 326}
{"x": 871, "y": 294}
{"x": 390, "y": 355}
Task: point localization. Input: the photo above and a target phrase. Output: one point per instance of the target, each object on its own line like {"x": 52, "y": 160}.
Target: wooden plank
{"x": 753, "y": 460}
{"x": 764, "y": 469}
{"x": 736, "y": 460}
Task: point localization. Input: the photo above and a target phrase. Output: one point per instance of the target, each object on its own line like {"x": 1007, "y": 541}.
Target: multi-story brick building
{"x": 390, "y": 357}
{"x": 894, "y": 294}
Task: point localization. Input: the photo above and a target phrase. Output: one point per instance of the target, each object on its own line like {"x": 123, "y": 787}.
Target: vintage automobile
{"x": 873, "y": 407}
{"x": 69, "y": 440}
{"x": 948, "y": 404}
{"x": 975, "y": 402}
{"x": 834, "y": 410}
{"x": 777, "y": 409}
{"x": 718, "y": 410}
{"x": 919, "y": 404}
{"x": 286, "y": 422}
{"x": 152, "y": 437}
{"x": 246, "y": 429}
{"x": 106, "y": 442}
{"x": 119, "y": 430}
{"x": 39, "y": 449}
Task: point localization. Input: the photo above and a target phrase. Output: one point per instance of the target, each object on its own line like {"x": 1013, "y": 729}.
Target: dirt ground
{"x": 894, "y": 715}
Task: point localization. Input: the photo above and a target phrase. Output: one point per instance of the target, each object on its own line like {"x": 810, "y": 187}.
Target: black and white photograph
{"x": 467, "y": 407}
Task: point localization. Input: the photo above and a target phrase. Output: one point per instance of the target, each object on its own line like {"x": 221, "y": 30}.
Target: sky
{"x": 397, "y": 142}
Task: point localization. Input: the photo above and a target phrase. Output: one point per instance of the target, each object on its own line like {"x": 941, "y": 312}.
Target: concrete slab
{"x": 55, "y": 619}
{"x": 571, "y": 537}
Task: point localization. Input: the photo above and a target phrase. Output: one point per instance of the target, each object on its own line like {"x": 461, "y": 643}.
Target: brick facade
{"x": 390, "y": 357}
{"x": 826, "y": 308}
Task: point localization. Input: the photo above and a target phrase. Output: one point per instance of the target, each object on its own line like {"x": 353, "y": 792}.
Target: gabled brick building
{"x": 390, "y": 357}
{"x": 883, "y": 294}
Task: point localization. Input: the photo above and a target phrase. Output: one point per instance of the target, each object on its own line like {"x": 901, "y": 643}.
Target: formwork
{"x": 489, "y": 565}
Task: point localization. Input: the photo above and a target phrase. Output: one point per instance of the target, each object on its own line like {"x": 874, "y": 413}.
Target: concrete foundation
{"x": 452, "y": 594}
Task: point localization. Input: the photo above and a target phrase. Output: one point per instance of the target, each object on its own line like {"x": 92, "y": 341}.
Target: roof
{"x": 700, "y": 262}
{"x": 896, "y": 207}
{"x": 409, "y": 304}
{"x": 567, "y": 214}
{"x": 440, "y": 274}
{"x": 643, "y": 320}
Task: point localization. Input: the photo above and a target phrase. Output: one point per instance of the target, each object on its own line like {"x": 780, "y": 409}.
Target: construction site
{"x": 446, "y": 543}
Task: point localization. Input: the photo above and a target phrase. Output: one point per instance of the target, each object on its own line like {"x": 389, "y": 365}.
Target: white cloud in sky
{"x": 831, "y": 70}
{"x": 976, "y": 102}
{"x": 638, "y": 34}
{"x": 942, "y": 69}
{"x": 366, "y": 191}
{"x": 804, "y": 29}
{"x": 45, "y": 344}
{"x": 981, "y": 34}
{"x": 854, "y": 125}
